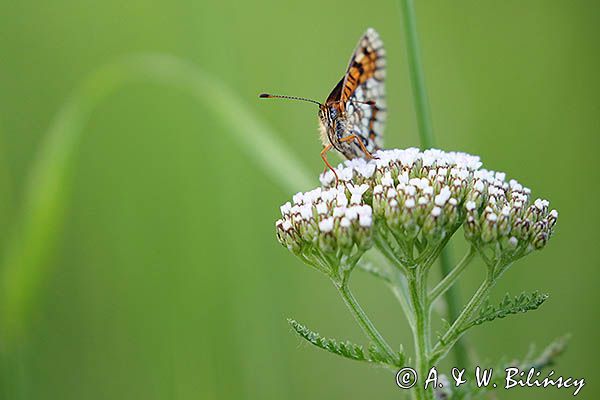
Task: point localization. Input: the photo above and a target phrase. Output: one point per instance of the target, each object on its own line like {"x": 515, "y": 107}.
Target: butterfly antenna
{"x": 278, "y": 96}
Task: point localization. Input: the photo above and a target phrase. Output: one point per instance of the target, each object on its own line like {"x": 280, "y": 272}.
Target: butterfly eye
{"x": 333, "y": 112}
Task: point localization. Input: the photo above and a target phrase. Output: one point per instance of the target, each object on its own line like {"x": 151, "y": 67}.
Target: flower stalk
{"x": 364, "y": 322}
{"x": 408, "y": 204}
{"x": 446, "y": 283}
{"x": 421, "y": 331}
{"x": 456, "y": 330}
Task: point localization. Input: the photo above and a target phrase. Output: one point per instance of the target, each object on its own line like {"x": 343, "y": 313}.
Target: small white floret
{"x": 321, "y": 208}
{"x": 539, "y": 204}
{"x": 305, "y": 212}
{"x": 387, "y": 180}
{"x": 366, "y": 170}
{"x": 346, "y": 174}
{"x": 327, "y": 178}
{"x": 286, "y": 208}
{"x": 365, "y": 220}
{"x": 298, "y": 198}
{"x": 410, "y": 190}
{"x": 341, "y": 200}
{"x": 351, "y": 213}
{"x": 403, "y": 178}
{"x": 339, "y": 212}
{"x": 326, "y": 225}
{"x": 357, "y": 193}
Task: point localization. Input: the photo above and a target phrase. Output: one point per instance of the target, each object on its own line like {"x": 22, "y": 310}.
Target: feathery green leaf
{"x": 345, "y": 348}
{"x": 508, "y": 306}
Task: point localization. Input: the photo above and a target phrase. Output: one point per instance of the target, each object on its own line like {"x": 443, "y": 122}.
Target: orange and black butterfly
{"x": 353, "y": 116}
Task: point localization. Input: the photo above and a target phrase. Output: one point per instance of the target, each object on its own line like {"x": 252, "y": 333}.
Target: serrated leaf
{"x": 509, "y": 306}
{"x": 345, "y": 348}
{"x": 375, "y": 355}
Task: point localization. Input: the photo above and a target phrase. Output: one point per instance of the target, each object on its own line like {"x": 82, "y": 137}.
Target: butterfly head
{"x": 327, "y": 114}
{"x": 330, "y": 116}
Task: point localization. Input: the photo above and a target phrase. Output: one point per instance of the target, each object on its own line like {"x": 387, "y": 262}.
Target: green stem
{"x": 447, "y": 282}
{"x": 429, "y": 256}
{"x": 461, "y": 356}
{"x": 365, "y": 323}
{"x": 453, "y": 334}
{"x": 421, "y": 332}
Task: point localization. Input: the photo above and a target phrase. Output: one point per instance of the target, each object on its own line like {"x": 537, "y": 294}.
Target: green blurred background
{"x": 165, "y": 280}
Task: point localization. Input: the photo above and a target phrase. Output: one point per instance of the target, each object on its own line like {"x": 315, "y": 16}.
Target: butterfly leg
{"x": 324, "y": 157}
{"x": 360, "y": 143}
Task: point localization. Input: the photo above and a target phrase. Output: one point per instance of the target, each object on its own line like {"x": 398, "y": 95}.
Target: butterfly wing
{"x": 361, "y": 91}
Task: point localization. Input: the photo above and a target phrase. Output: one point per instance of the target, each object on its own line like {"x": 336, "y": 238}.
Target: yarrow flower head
{"x": 410, "y": 202}
{"x": 327, "y": 224}
{"x": 502, "y": 219}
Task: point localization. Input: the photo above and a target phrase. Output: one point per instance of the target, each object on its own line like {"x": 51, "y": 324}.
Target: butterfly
{"x": 352, "y": 118}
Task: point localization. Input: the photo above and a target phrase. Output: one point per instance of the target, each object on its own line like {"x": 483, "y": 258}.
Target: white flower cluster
{"x": 408, "y": 160}
{"x": 500, "y": 213}
{"x": 332, "y": 218}
{"x": 420, "y": 197}
{"x": 419, "y": 194}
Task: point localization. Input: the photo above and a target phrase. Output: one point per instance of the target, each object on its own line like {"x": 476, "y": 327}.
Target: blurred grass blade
{"x": 6, "y": 189}
{"x": 417, "y": 76}
{"x": 27, "y": 251}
